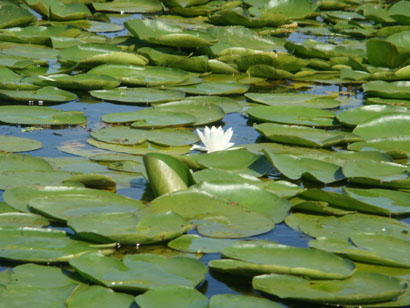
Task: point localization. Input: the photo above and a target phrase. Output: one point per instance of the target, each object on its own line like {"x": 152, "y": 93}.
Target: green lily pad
{"x": 5, "y": 208}
{"x": 197, "y": 244}
{"x": 290, "y": 114}
{"x": 384, "y": 126}
{"x": 356, "y": 116}
{"x": 174, "y": 296}
{"x": 22, "y": 162}
{"x": 129, "y": 6}
{"x": 22, "y": 220}
{"x": 143, "y": 75}
{"x": 79, "y": 202}
{"x": 213, "y": 174}
{"x": 254, "y": 198}
{"x": 95, "y": 296}
{"x": 13, "y": 15}
{"x": 12, "y": 81}
{"x": 396, "y": 90}
{"x": 377, "y": 173}
{"x": 45, "y": 94}
{"x": 61, "y": 11}
{"x": 11, "y": 179}
{"x": 399, "y": 12}
{"x": 18, "y": 144}
{"x": 285, "y": 99}
{"x": 127, "y": 228}
{"x": 269, "y": 257}
{"x": 283, "y": 189}
{"x": 38, "y": 286}
{"x": 93, "y": 54}
{"x": 42, "y": 245}
{"x": 369, "y": 248}
{"x": 344, "y": 226}
{"x": 240, "y": 301}
{"x": 213, "y": 88}
{"x": 140, "y": 272}
{"x": 204, "y": 112}
{"x": 396, "y": 147}
{"x": 213, "y": 217}
{"x": 316, "y": 207}
{"x": 361, "y": 288}
{"x": 79, "y": 81}
{"x": 304, "y": 136}
{"x": 227, "y": 104}
{"x": 30, "y": 51}
{"x": 162, "y": 33}
{"x": 138, "y": 95}
{"x": 132, "y": 136}
{"x": 294, "y": 168}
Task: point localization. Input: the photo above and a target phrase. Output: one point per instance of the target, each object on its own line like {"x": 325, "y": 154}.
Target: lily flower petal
{"x": 214, "y": 139}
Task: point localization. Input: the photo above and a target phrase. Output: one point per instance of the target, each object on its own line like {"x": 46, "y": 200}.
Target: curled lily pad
{"x": 32, "y": 248}
{"x": 45, "y": 94}
{"x": 36, "y": 115}
{"x": 162, "y": 33}
{"x": 396, "y": 147}
{"x": 143, "y": 75}
{"x": 174, "y": 295}
{"x": 268, "y": 257}
{"x": 304, "y": 136}
{"x": 138, "y": 95}
{"x": 396, "y": 90}
{"x": 140, "y": 272}
{"x": 290, "y": 114}
{"x": 18, "y": 144}
{"x": 129, "y": 6}
{"x": 207, "y": 214}
{"x": 127, "y": 228}
{"x": 93, "y": 54}
{"x": 13, "y": 15}
{"x": 361, "y": 288}
{"x": 133, "y": 136}
{"x": 283, "y": 189}
{"x": 79, "y": 81}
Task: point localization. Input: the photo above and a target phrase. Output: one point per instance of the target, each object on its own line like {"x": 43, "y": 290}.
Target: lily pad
{"x": 269, "y": 257}
{"x": 240, "y": 301}
{"x": 45, "y": 94}
{"x": 197, "y": 244}
{"x": 79, "y": 81}
{"x": 237, "y": 221}
{"x": 286, "y": 99}
{"x": 174, "y": 296}
{"x": 213, "y": 174}
{"x": 138, "y": 95}
{"x": 396, "y": 147}
{"x": 143, "y": 75}
{"x": 22, "y": 220}
{"x": 396, "y": 90}
{"x": 13, "y": 15}
{"x": 304, "y": 136}
{"x": 21, "y": 162}
{"x": 42, "y": 245}
{"x": 361, "y": 288}
{"x": 129, "y": 6}
{"x": 10, "y": 179}
{"x": 213, "y": 88}
{"x": 140, "y": 272}
{"x": 18, "y": 144}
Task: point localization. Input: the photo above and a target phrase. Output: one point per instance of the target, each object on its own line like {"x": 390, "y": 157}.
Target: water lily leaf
{"x": 78, "y": 202}
{"x": 399, "y": 12}
{"x": 377, "y": 173}
{"x": 304, "y": 136}
{"x": 395, "y": 202}
{"x": 129, "y": 6}
{"x": 385, "y": 54}
{"x": 269, "y": 257}
{"x": 166, "y": 174}
{"x": 290, "y": 8}
{"x": 396, "y": 147}
{"x": 213, "y": 88}
{"x": 286, "y": 99}
{"x": 384, "y": 126}
{"x": 174, "y": 295}
{"x": 140, "y": 272}
{"x": 254, "y": 198}
{"x": 204, "y": 112}
{"x": 30, "y": 51}
{"x": 61, "y": 11}
{"x": 316, "y": 207}
{"x": 13, "y": 15}
{"x": 369, "y": 248}
{"x": 18, "y": 144}
{"x": 140, "y": 149}
{"x": 143, "y": 75}
{"x": 45, "y": 94}
{"x": 162, "y": 33}
{"x": 17, "y": 62}
{"x": 128, "y": 228}
{"x": 5, "y": 208}
{"x": 344, "y": 226}
{"x": 197, "y": 244}
{"x": 240, "y": 301}
{"x": 42, "y": 245}
{"x": 213, "y": 217}
{"x": 21, "y": 162}
{"x": 10, "y": 179}
{"x": 283, "y": 189}
{"x": 294, "y": 168}
{"x": 22, "y": 220}
{"x": 213, "y": 174}
{"x": 93, "y": 54}
{"x": 396, "y": 90}
{"x": 267, "y": 71}
{"x": 132, "y": 136}
{"x": 79, "y": 81}
{"x": 361, "y": 288}
{"x": 37, "y": 286}
{"x": 95, "y": 296}
{"x": 14, "y": 81}
{"x": 290, "y": 114}
{"x": 138, "y": 95}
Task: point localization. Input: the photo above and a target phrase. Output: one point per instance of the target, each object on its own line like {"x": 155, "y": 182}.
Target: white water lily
{"x": 214, "y": 139}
